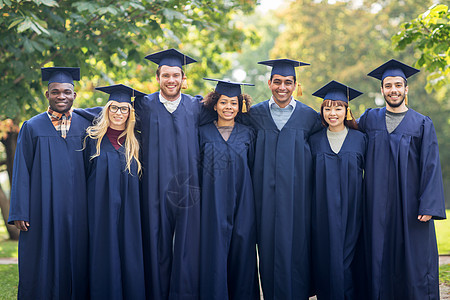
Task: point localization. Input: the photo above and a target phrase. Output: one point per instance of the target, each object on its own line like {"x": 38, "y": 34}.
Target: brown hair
{"x": 158, "y": 71}
{"x": 349, "y": 123}
{"x": 211, "y": 100}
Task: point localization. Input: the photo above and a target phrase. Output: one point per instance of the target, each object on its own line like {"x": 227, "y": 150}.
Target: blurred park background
{"x": 108, "y": 40}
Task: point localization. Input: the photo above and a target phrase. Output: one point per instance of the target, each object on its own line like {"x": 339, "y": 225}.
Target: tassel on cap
{"x": 349, "y": 114}
{"x": 406, "y": 99}
{"x": 244, "y": 106}
{"x": 299, "y": 90}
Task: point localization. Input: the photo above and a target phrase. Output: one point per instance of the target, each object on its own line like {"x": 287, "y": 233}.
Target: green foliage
{"x": 443, "y": 235}
{"x": 321, "y": 33}
{"x": 430, "y": 35}
{"x": 108, "y": 40}
{"x": 444, "y": 274}
{"x": 8, "y": 248}
{"x": 9, "y": 281}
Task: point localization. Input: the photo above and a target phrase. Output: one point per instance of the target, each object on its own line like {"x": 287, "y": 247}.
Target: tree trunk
{"x": 10, "y": 143}
{"x": 4, "y": 206}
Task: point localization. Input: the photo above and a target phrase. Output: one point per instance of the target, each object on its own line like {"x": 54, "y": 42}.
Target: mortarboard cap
{"x": 283, "y": 67}
{"x": 60, "y": 74}
{"x": 120, "y": 92}
{"x": 228, "y": 88}
{"x": 337, "y": 91}
{"x": 171, "y": 58}
{"x": 393, "y": 68}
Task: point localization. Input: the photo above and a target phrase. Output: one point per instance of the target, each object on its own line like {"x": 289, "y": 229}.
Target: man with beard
{"x": 168, "y": 122}
{"x": 48, "y": 196}
{"x": 404, "y": 193}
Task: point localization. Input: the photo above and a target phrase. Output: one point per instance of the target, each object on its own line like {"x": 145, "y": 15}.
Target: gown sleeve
{"x": 431, "y": 190}
{"x": 89, "y": 113}
{"x": 21, "y": 185}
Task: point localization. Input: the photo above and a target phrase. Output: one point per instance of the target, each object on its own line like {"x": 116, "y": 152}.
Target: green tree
{"x": 108, "y": 41}
{"x": 430, "y": 35}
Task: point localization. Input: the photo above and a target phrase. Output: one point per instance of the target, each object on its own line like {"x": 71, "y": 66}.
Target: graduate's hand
{"x": 22, "y": 225}
{"x": 424, "y": 218}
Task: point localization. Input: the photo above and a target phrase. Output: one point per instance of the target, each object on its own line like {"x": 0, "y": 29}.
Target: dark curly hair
{"x": 349, "y": 123}
{"x": 211, "y": 100}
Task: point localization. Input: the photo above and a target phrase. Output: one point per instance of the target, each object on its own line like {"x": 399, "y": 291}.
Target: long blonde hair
{"x": 98, "y": 130}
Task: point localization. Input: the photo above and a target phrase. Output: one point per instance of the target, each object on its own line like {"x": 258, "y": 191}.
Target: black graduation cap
{"x": 228, "y": 88}
{"x": 283, "y": 67}
{"x": 171, "y": 58}
{"x": 120, "y": 92}
{"x": 60, "y": 74}
{"x": 393, "y": 68}
{"x": 336, "y": 91}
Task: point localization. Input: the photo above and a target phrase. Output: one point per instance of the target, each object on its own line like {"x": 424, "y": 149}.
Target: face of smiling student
{"x": 334, "y": 115}
{"x": 282, "y": 88}
{"x": 60, "y": 96}
{"x": 118, "y": 115}
{"x": 170, "y": 80}
{"x": 227, "y": 109}
{"x": 394, "y": 90}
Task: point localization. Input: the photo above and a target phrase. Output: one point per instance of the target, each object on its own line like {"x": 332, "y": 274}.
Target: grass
{"x": 443, "y": 234}
{"x": 9, "y": 279}
{"x": 444, "y": 274}
{"x": 8, "y": 248}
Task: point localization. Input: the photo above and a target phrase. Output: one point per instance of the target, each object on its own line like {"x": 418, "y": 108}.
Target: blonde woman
{"x": 113, "y": 169}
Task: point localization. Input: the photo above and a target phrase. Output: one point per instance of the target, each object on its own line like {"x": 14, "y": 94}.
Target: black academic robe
{"x": 170, "y": 196}
{"x": 115, "y": 238}
{"x": 228, "y": 229}
{"x": 49, "y": 191}
{"x": 403, "y": 179}
{"x": 336, "y": 212}
{"x": 282, "y": 181}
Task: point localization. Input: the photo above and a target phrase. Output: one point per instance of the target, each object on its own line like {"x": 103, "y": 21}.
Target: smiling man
{"x": 168, "y": 122}
{"x": 48, "y": 196}
{"x": 404, "y": 193}
{"x": 282, "y": 179}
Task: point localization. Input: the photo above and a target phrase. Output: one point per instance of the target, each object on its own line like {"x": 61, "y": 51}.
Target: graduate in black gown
{"x": 168, "y": 122}
{"x": 338, "y": 153}
{"x": 228, "y": 229}
{"x": 404, "y": 190}
{"x": 282, "y": 181}
{"x": 48, "y": 196}
{"x": 112, "y": 172}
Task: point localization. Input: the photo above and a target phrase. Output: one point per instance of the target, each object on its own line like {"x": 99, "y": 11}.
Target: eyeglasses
{"x": 123, "y": 109}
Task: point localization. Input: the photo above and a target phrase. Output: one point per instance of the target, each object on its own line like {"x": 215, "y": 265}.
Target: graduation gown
{"x": 170, "y": 197}
{"x": 403, "y": 180}
{"x": 336, "y": 212}
{"x": 116, "y": 255}
{"x": 49, "y": 191}
{"x": 282, "y": 181}
{"x": 228, "y": 233}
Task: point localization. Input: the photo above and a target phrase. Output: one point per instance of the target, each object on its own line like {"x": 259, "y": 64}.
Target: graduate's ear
{"x": 47, "y": 94}
{"x": 74, "y": 95}
{"x": 269, "y": 82}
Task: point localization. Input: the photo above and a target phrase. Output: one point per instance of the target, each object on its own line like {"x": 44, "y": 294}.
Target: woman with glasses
{"x": 228, "y": 229}
{"x": 113, "y": 170}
